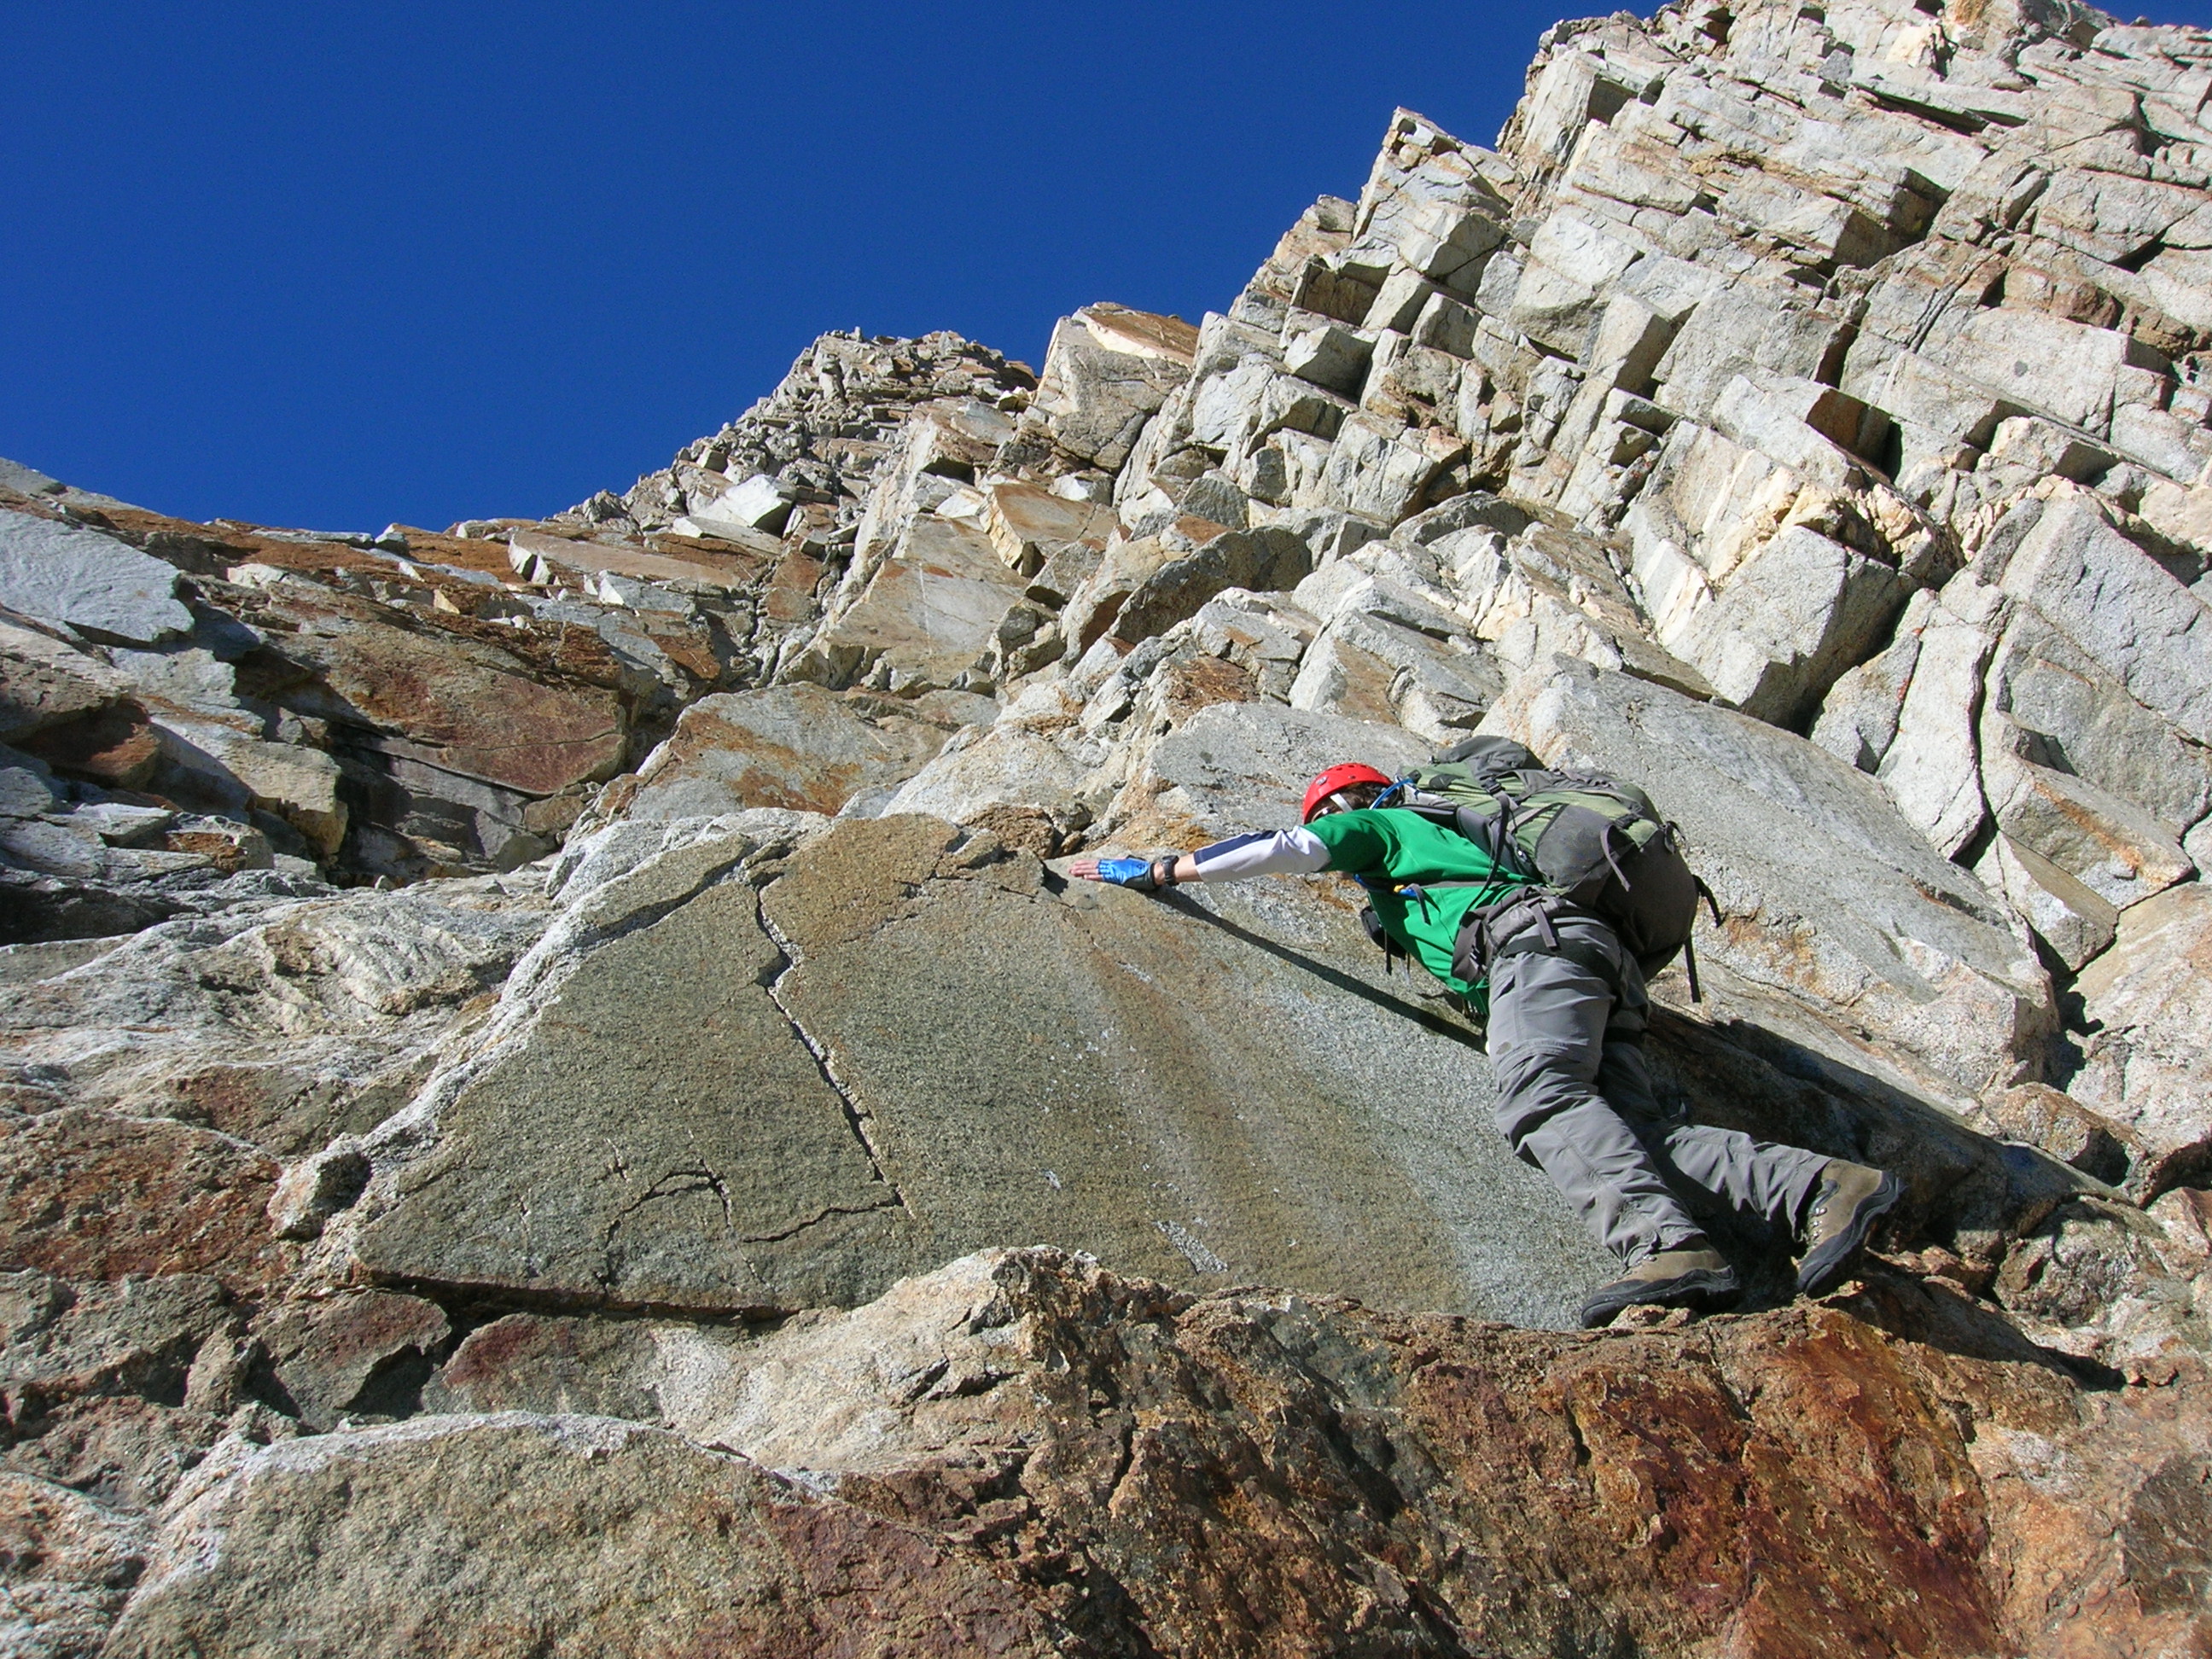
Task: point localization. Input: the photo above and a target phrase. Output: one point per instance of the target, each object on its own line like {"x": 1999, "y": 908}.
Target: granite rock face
{"x": 557, "y": 1096}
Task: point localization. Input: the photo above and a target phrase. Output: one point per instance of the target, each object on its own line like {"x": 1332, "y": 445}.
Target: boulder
{"x": 2049, "y": 1119}
{"x": 1571, "y": 261}
{"x": 1014, "y": 764}
{"x": 797, "y": 746}
{"x": 2074, "y": 921}
{"x": 65, "y": 573}
{"x": 1371, "y": 667}
{"x": 1449, "y": 241}
{"x": 1549, "y": 593}
{"x": 45, "y": 681}
{"x": 1792, "y": 617}
{"x": 1827, "y": 894}
{"x": 2118, "y": 605}
{"x": 119, "y": 1448}
{"x": 1810, "y": 428}
{"x": 2078, "y": 717}
{"x": 1858, "y": 718}
{"x": 1931, "y": 765}
{"x": 1029, "y": 525}
{"x": 316, "y": 1187}
{"x": 66, "y": 1563}
{"x": 61, "y": 1336}
{"x": 928, "y": 615}
{"x": 2143, "y": 1066}
{"x": 543, "y": 1362}
{"x": 1381, "y": 471}
{"x": 2114, "y": 1284}
{"x": 2065, "y": 369}
{"x": 367, "y": 1353}
{"x": 1708, "y": 504}
{"x": 1739, "y": 328}
{"x": 1084, "y": 1105}
{"x": 1329, "y": 356}
{"x": 566, "y": 1535}
{"x": 301, "y": 785}
{"x": 1919, "y": 392}
{"x": 274, "y": 1021}
{"x": 1101, "y": 1114}
{"x": 2112, "y": 846}
{"x": 1241, "y": 766}
{"x": 1265, "y": 634}
{"x": 754, "y": 503}
{"x": 1106, "y": 373}
{"x": 1126, "y": 564}
{"x": 1274, "y": 559}
{"x": 464, "y": 708}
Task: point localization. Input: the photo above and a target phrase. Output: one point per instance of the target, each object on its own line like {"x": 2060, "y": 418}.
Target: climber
{"x": 1566, "y": 1010}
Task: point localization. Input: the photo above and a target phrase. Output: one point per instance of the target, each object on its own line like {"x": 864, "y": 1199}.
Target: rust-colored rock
{"x": 113, "y": 746}
{"x": 285, "y": 1109}
{"x": 1022, "y": 1453}
{"x": 365, "y": 1352}
{"x": 66, "y": 1563}
{"x": 1264, "y": 1474}
{"x": 466, "y": 703}
{"x": 122, "y": 1449}
{"x": 43, "y": 682}
{"x": 532, "y": 1362}
{"x": 86, "y": 1194}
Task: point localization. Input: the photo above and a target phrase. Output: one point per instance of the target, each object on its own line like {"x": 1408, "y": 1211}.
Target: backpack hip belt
{"x": 1520, "y": 925}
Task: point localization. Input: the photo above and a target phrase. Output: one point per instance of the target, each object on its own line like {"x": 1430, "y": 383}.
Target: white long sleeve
{"x": 1278, "y": 853}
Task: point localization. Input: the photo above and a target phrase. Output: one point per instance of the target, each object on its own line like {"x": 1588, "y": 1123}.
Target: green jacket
{"x": 1397, "y": 855}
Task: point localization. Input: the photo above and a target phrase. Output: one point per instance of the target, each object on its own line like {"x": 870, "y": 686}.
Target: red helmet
{"x": 1336, "y": 778}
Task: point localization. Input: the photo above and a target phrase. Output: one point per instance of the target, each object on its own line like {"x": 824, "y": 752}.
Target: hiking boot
{"x": 1698, "y": 1277}
{"x": 1850, "y": 1199}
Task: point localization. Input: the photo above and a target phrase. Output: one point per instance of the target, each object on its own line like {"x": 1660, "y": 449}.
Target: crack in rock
{"x": 856, "y": 1117}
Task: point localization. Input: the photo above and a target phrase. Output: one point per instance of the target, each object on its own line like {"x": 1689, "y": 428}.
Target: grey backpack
{"x": 1594, "y": 840}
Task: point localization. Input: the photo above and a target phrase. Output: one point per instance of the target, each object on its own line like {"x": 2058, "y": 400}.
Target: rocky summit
{"x": 557, "y": 1097}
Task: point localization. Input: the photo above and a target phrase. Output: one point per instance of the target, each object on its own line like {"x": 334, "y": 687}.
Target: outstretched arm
{"x": 1280, "y": 853}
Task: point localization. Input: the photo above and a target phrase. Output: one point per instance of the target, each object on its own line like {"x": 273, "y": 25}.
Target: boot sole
{"x": 1703, "y": 1289}
{"x": 1823, "y": 1270}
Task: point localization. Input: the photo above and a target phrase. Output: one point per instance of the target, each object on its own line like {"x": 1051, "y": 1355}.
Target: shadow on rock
{"x": 1456, "y": 1032}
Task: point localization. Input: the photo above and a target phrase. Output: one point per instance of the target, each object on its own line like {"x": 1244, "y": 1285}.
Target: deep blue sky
{"x": 339, "y": 264}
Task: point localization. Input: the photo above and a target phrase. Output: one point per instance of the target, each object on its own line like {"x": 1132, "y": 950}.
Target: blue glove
{"x": 1138, "y": 875}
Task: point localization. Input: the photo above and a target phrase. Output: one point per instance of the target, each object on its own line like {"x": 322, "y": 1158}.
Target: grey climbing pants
{"x": 1575, "y": 1099}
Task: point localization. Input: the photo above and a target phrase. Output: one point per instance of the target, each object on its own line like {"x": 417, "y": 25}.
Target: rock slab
{"x": 932, "y": 1045}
